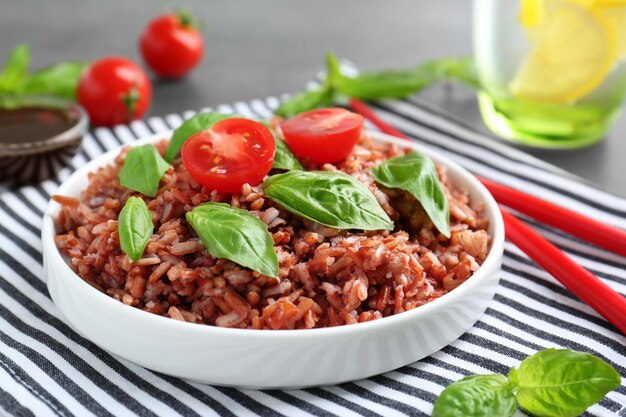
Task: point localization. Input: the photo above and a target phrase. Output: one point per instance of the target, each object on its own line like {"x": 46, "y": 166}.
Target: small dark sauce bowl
{"x": 38, "y": 155}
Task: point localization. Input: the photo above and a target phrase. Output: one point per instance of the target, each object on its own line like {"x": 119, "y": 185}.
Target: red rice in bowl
{"x": 328, "y": 277}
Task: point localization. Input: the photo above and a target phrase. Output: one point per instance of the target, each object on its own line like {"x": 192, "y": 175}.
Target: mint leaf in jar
{"x": 561, "y": 382}
{"x": 333, "y": 199}
{"x": 235, "y": 234}
{"x": 143, "y": 169}
{"x": 135, "y": 227}
{"x": 416, "y": 174}
{"x": 191, "y": 126}
{"x": 476, "y": 396}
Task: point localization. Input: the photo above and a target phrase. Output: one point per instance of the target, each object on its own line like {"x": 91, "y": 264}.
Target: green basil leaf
{"x": 462, "y": 70}
{"x": 135, "y": 227}
{"x": 476, "y": 396}
{"x": 333, "y": 199}
{"x": 143, "y": 169}
{"x": 235, "y": 234}
{"x": 195, "y": 124}
{"x": 284, "y": 158}
{"x": 323, "y": 96}
{"x": 400, "y": 83}
{"x": 416, "y": 173}
{"x": 333, "y": 69}
{"x": 15, "y": 70}
{"x": 561, "y": 382}
{"x": 305, "y": 101}
{"x": 58, "y": 80}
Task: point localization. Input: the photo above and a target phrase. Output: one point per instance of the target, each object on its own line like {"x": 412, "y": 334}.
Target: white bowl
{"x": 272, "y": 358}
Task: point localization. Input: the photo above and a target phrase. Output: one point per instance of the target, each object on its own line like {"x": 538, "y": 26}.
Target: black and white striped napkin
{"x": 47, "y": 369}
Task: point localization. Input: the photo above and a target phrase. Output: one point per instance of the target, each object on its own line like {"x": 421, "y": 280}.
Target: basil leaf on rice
{"x": 135, "y": 227}
{"x": 143, "y": 169}
{"x": 191, "y": 126}
{"x": 333, "y": 199}
{"x": 284, "y": 158}
{"x": 235, "y": 234}
{"x": 416, "y": 174}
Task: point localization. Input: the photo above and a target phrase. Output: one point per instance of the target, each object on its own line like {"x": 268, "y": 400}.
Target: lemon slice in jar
{"x": 573, "y": 51}
{"x": 531, "y": 13}
{"x": 616, "y": 17}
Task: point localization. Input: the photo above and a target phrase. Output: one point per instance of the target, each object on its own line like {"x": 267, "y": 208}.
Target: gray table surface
{"x": 261, "y": 48}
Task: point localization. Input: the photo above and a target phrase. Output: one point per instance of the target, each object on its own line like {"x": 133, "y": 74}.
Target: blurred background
{"x": 256, "y": 49}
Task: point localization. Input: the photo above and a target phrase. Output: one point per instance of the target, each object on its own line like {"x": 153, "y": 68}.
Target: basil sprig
{"x": 376, "y": 85}
{"x": 476, "y": 396}
{"x": 58, "y": 80}
{"x": 550, "y": 383}
{"x": 135, "y": 227}
{"x": 143, "y": 169}
{"x": 401, "y": 83}
{"x": 235, "y": 234}
{"x": 416, "y": 174}
{"x": 15, "y": 70}
{"x": 333, "y": 199}
{"x": 194, "y": 124}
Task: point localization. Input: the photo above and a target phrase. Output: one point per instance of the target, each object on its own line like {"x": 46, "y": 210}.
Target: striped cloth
{"x": 47, "y": 369}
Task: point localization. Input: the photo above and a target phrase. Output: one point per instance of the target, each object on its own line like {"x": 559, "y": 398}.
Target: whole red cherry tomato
{"x": 229, "y": 154}
{"x": 323, "y": 135}
{"x": 171, "y": 45}
{"x": 114, "y": 90}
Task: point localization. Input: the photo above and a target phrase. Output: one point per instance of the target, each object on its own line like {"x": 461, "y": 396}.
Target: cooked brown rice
{"x": 328, "y": 277}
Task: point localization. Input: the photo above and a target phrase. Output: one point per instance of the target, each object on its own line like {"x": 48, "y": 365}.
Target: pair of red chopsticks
{"x": 582, "y": 283}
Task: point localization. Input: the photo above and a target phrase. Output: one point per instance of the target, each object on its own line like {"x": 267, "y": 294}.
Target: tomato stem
{"x": 185, "y": 18}
{"x": 130, "y": 100}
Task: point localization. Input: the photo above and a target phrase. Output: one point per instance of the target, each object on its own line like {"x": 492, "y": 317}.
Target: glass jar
{"x": 552, "y": 71}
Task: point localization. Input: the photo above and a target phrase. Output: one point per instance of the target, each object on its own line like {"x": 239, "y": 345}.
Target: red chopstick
{"x": 582, "y": 283}
{"x": 593, "y": 231}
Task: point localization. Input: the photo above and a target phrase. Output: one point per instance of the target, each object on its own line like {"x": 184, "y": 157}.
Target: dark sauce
{"x": 34, "y": 124}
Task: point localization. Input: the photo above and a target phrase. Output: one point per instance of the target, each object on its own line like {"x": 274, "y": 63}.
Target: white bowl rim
{"x": 166, "y": 323}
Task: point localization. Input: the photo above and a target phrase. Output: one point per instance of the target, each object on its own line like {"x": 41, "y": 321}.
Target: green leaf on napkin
{"x": 476, "y": 396}
{"x": 550, "y": 383}
{"x": 561, "y": 382}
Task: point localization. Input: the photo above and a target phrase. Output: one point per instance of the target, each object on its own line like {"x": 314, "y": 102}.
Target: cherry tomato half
{"x": 114, "y": 90}
{"x": 171, "y": 45}
{"x": 231, "y": 153}
{"x": 323, "y": 135}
